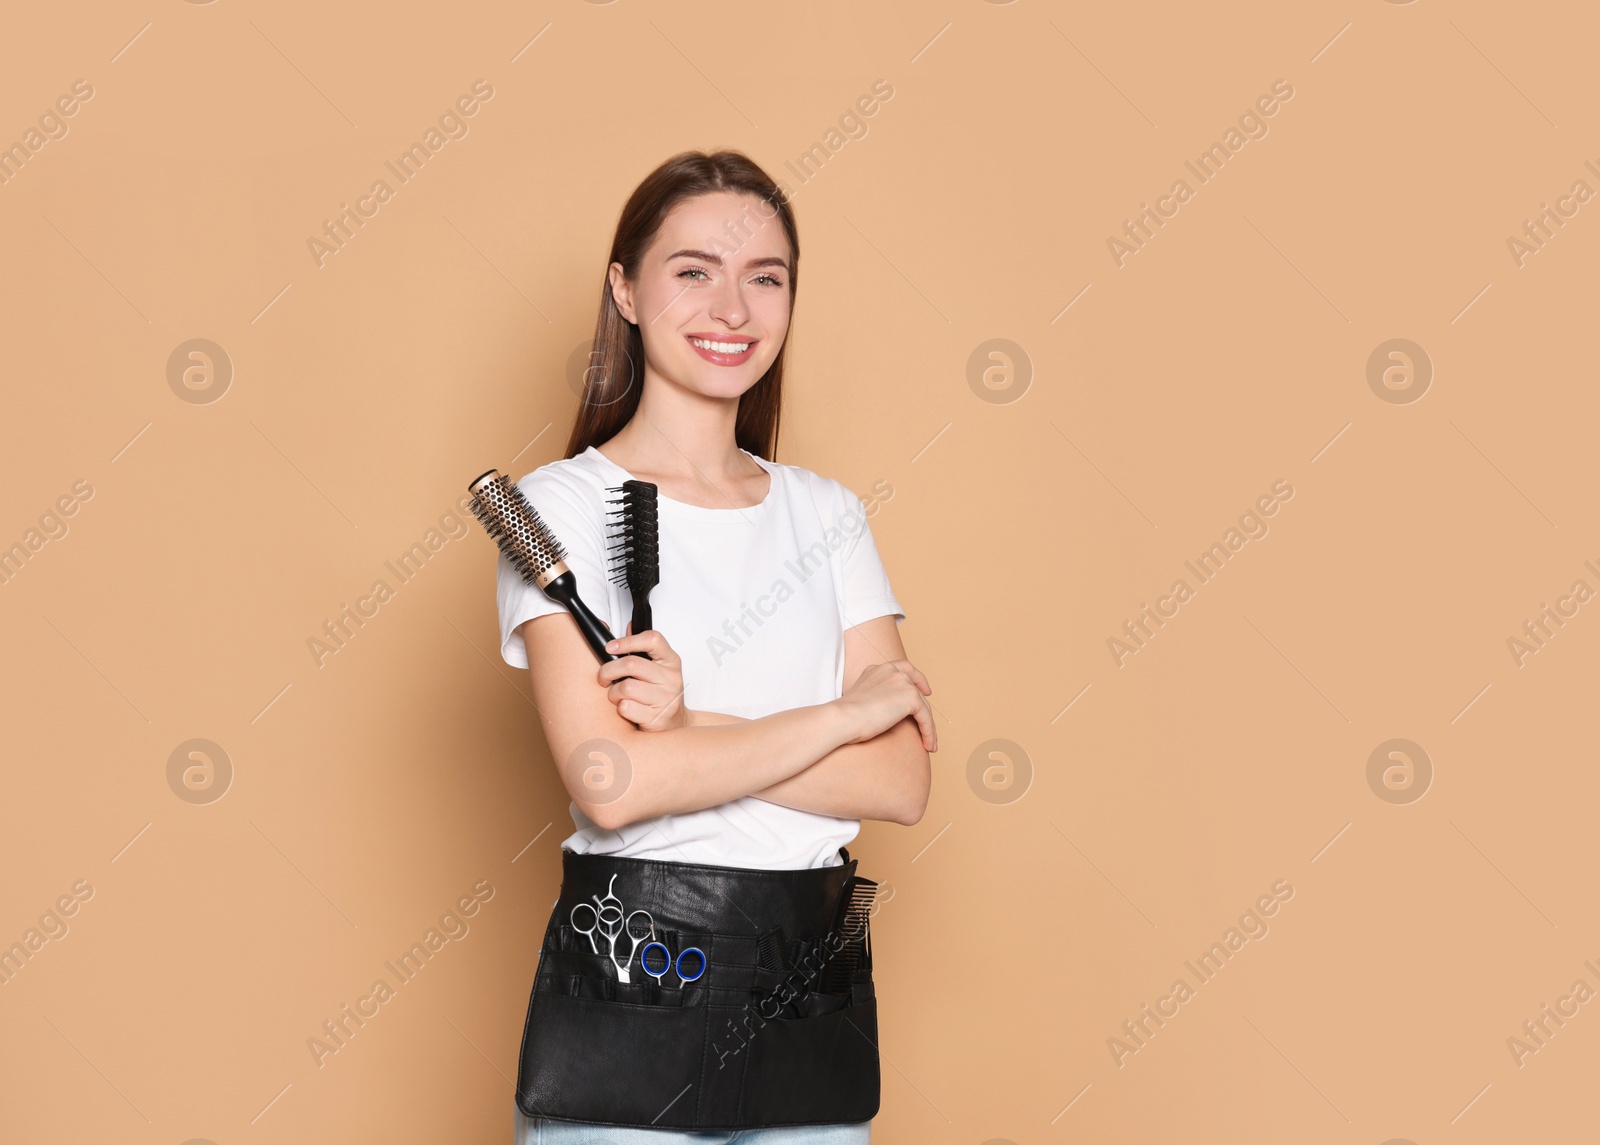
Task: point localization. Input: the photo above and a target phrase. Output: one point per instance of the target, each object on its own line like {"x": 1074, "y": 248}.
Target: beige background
{"x": 1148, "y": 805}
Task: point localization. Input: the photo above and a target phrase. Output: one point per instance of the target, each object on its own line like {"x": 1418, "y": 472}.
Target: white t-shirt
{"x": 755, "y": 602}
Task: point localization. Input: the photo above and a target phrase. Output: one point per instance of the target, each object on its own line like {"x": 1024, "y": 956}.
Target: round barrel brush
{"x": 636, "y": 548}
{"x": 533, "y": 550}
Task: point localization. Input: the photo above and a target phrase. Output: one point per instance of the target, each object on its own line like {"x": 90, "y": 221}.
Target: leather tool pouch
{"x": 782, "y": 1029}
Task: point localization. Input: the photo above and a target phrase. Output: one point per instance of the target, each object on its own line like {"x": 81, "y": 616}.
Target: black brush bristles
{"x": 636, "y": 547}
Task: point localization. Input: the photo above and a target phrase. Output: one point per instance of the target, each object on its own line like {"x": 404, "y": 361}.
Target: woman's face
{"x": 711, "y": 298}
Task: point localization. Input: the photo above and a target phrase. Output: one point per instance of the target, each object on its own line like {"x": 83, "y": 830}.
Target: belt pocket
{"x": 584, "y": 1059}
{"x": 822, "y": 1067}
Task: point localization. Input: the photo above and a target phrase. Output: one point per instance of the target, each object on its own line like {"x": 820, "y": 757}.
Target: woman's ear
{"x": 621, "y": 292}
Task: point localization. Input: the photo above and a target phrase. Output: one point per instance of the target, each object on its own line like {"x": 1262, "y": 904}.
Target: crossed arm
{"x": 843, "y": 758}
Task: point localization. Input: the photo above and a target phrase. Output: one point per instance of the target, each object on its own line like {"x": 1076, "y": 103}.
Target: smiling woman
{"x": 719, "y": 251}
{"x": 767, "y": 274}
{"x": 712, "y": 795}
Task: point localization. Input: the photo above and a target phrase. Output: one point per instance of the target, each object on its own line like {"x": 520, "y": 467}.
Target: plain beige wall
{"x": 1135, "y": 811}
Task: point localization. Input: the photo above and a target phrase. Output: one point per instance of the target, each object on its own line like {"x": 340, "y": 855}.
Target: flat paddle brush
{"x": 534, "y": 551}
{"x": 636, "y": 548}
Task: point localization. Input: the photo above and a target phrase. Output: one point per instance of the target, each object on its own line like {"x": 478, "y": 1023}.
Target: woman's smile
{"x": 724, "y": 351}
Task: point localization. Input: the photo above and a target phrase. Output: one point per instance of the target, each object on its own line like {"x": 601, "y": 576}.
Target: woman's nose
{"x": 728, "y": 306}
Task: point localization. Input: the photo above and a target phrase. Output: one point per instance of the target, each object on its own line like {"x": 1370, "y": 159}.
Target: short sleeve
{"x": 575, "y": 513}
{"x": 864, "y": 591}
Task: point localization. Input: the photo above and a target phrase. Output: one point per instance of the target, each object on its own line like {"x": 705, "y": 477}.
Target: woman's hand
{"x": 884, "y": 694}
{"x": 647, "y": 693}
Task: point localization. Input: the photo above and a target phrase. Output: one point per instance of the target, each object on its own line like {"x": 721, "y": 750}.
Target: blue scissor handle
{"x": 644, "y": 960}
{"x": 704, "y": 962}
{"x": 670, "y": 963}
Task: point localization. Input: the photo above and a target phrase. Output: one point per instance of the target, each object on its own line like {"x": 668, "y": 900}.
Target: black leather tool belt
{"x": 781, "y": 1028}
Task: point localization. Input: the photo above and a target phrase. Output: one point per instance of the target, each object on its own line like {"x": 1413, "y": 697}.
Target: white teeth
{"x": 721, "y": 347}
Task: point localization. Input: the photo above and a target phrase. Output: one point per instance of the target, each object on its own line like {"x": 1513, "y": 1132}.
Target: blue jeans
{"x": 537, "y": 1131}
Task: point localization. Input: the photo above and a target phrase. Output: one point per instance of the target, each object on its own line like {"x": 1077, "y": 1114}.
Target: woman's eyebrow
{"x": 716, "y": 260}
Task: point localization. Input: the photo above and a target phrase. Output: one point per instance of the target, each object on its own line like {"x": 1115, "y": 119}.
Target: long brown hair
{"x": 615, "y": 376}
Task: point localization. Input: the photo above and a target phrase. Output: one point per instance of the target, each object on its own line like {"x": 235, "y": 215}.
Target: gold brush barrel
{"x": 514, "y": 523}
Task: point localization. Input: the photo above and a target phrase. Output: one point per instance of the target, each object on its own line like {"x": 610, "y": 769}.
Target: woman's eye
{"x": 691, "y": 270}
{"x": 770, "y": 279}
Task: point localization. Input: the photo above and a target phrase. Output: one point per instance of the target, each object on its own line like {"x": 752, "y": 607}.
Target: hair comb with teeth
{"x": 636, "y": 548}
{"x": 533, "y": 550}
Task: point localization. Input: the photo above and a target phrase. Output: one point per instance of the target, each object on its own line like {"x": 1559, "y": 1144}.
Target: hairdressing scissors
{"x": 666, "y": 955}
{"x": 610, "y": 921}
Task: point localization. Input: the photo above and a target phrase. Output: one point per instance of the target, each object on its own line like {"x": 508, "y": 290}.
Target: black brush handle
{"x": 642, "y": 621}
{"x": 564, "y": 590}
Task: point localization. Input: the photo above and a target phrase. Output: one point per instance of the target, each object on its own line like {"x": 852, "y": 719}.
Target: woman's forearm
{"x": 706, "y": 764}
{"x": 887, "y": 777}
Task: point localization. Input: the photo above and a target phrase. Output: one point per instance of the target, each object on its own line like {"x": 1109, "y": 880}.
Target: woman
{"x": 715, "y": 780}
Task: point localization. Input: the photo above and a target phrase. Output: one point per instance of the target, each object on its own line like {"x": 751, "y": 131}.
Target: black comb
{"x": 533, "y": 550}
{"x": 772, "y": 950}
{"x": 856, "y": 953}
{"x": 636, "y": 547}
